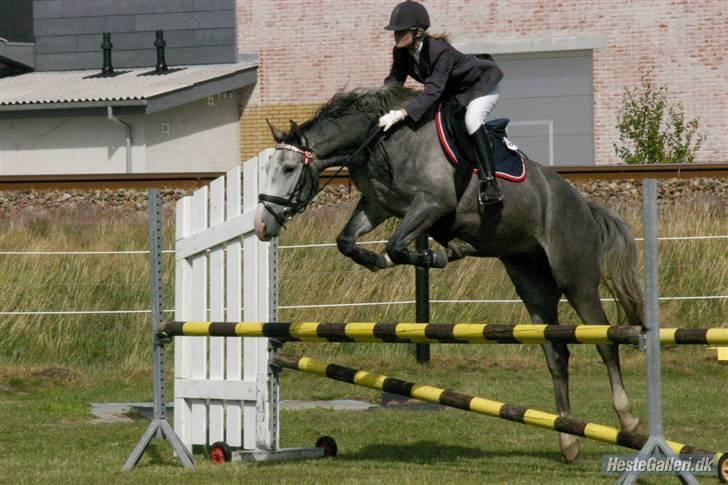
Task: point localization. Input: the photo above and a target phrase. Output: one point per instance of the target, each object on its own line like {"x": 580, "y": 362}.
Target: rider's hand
{"x": 392, "y": 118}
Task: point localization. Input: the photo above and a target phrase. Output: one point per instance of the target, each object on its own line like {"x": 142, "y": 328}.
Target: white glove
{"x": 392, "y": 118}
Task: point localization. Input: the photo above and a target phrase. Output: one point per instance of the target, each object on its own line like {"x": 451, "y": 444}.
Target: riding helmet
{"x": 408, "y": 15}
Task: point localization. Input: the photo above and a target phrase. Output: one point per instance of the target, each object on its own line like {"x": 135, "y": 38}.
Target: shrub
{"x": 653, "y": 131}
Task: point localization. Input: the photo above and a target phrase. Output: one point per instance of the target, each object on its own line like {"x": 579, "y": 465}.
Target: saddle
{"x": 456, "y": 143}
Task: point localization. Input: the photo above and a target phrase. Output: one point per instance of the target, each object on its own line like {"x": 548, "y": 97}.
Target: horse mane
{"x": 371, "y": 102}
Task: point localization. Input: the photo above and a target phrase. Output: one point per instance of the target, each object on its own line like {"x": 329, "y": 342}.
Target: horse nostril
{"x": 260, "y": 229}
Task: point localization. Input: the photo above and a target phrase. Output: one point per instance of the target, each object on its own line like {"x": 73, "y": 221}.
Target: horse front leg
{"x": 364, "y": 219}
{"x": 421, "y": 216}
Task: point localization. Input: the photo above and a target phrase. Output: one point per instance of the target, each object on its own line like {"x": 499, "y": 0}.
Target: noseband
{"x": 302, "y": 193}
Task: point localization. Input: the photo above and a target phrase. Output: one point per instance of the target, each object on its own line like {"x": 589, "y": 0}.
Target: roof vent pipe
{"x": 160, "y": 43}
{"x": 106, "y": 45}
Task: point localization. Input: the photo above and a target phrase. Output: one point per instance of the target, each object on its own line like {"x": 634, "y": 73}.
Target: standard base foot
{"x": 282, "y": 454}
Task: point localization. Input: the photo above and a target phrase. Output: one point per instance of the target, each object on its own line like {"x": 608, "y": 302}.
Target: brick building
{"x": 567, "y": 63}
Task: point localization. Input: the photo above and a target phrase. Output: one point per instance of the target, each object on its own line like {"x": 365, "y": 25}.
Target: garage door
{"x": 548, "y": 97}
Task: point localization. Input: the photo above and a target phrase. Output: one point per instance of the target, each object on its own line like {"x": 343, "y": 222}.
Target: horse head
{"x": 291, "y": 183}
{"x": 339, "y": 133}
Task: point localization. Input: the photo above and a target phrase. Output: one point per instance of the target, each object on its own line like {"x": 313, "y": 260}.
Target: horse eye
{"x": 288, "y": 169}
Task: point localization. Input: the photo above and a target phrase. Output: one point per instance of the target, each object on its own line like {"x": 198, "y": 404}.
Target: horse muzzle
{"x": 266, "y": 227}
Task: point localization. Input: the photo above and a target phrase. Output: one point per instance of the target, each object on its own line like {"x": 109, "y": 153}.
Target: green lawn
{"x": 47, "y": 434}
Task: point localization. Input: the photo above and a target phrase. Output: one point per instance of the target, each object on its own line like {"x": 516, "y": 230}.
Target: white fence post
{"x": 221, "y": 384}
{"x": 234, "y": 297}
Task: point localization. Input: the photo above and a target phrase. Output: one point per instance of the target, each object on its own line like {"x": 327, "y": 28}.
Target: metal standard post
{"x": 274, "y": 424}
{"x": 656, "y": 444}
{"x": 422, "y": 291}
{"x": 159, "y": 427}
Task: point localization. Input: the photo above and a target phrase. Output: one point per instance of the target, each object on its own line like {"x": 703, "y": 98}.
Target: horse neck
{"x": 334, "y": 142}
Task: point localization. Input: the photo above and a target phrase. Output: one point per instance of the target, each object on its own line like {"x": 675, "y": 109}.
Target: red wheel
{"x": 723, "y": 468}
{"x": 220, "y": 453}
{"x": 328, "y": 444}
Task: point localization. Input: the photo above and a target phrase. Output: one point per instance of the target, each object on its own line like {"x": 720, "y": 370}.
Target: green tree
{"x": 653, "y": 131}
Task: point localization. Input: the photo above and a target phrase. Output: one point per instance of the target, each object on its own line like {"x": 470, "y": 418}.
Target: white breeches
{"x": 479, "y": 109}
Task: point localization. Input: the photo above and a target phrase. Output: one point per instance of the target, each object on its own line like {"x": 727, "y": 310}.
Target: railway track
{"x": 198, "y": 179}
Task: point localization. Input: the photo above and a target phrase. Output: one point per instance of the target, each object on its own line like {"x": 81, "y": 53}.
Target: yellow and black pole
{"x": 425, "y": 333}
{"x": 479, "y": 405}
{"x": 422, "y": 298}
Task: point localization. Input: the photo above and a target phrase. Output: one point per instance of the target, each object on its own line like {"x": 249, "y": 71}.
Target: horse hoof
{"x": 439, "y": 259}
{"x": 382, "y": 261}
{"x": 569, "y": 447}
{"x": 634, "y": 425}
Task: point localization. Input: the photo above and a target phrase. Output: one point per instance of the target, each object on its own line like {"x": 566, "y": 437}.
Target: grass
{"x": 309, "y": 277}
{"x": 687, "y": 268}
{"x": 47, "y": 435}
{"x": 52, "y": 367}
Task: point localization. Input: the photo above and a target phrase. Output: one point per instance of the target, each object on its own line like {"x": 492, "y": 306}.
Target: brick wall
{"x": 255, "y": 135}
{"x": 310, "y": 49}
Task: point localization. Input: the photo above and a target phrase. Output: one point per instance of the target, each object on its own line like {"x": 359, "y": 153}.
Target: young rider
{"x": 445, "y": 72}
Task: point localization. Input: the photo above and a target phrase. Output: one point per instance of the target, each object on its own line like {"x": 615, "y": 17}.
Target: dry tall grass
{"x": 308, "y": 277}
{"x": 318, "y": 276}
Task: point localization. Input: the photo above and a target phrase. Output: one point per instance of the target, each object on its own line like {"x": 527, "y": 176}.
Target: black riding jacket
{"x": 445, "y": 72}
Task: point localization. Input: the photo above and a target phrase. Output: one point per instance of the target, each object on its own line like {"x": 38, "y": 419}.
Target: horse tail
{"x": 619, "y": 264}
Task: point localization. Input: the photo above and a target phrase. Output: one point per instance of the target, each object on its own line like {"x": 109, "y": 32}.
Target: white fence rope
{"x": 333, "y": 245}
{"x": 330, "y": 305}
{"x": 74, "y": 253}
{"x": 404, "y": 302}
{"x": 291, "y": 246}
{"x": 341, "y": 305}
{"x": 83, "y": 312}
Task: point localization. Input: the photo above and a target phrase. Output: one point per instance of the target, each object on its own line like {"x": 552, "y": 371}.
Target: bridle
{"x": 307, "y": 186}
{"x": 302, "y": 193}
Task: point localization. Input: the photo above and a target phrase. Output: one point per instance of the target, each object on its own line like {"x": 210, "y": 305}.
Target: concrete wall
{"x": 310, "y": 50}
{"x": 201, "y": 137}
{"x": 67, "y": 145}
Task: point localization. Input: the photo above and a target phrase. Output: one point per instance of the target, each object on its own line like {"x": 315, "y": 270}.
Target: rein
{"x": 297, "y": 201}
{"x": 366, "y": 143}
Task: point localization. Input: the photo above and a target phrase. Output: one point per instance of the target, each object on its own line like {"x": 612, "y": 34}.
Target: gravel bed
{"x": 713, "y": 192}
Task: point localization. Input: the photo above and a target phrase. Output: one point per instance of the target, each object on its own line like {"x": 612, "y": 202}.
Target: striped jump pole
{"x": 480, "y": 405}
{"x": 462, "y": 333}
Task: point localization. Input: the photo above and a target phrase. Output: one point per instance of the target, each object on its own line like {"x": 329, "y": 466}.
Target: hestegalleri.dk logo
{"x": 694, "y": 464}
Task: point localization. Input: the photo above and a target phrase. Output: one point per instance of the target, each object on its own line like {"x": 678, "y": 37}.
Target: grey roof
{"x": 135, "y": 88}
{"x": 18, "y": 52}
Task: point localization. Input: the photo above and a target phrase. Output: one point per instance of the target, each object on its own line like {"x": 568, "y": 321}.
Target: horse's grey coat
{"x": 552, "y": 242}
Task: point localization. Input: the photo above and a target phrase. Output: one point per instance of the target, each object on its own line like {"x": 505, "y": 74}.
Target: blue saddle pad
{"x": 456, "y": 143}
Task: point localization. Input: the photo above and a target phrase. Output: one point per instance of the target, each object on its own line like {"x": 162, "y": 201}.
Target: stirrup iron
{"x": 488, "y": 193}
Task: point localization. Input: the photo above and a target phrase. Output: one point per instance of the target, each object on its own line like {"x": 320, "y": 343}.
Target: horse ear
{"x": 278, "y": 135}
{"x": 298, "y": 134}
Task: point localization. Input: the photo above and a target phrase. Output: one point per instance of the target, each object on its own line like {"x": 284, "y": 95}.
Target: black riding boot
{"x": 489, "y": 192}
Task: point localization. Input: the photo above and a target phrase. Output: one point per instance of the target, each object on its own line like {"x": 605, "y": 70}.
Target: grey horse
{"x": 551, "y": 241}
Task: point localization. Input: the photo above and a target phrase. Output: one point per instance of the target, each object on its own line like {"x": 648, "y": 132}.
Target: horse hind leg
{"x": 585, "y": 300}
{"x": 537, "y": 288}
